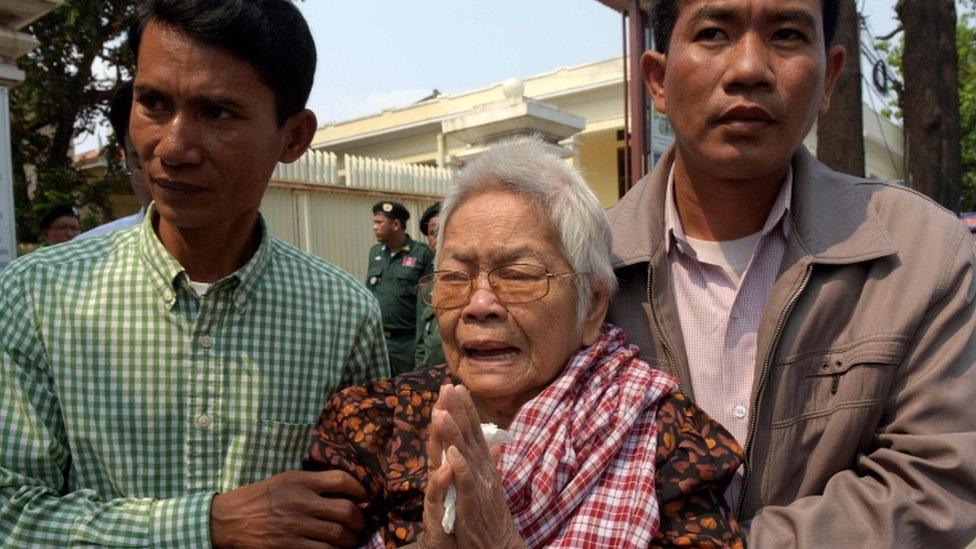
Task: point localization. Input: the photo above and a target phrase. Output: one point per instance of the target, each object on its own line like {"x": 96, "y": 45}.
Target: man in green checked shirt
{"x": 157, "y": 385}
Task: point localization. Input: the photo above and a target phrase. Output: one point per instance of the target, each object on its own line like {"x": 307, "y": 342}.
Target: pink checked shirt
{"x": 720, "y": 320}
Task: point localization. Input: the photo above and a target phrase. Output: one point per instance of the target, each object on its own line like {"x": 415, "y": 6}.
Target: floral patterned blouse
{"x": 377, "y": 433}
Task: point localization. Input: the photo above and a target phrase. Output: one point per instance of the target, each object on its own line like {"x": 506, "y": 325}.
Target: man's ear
{"x": 652, "y": 65}
{"x": 836, "y": 56}
{"x": 299, "y": 131}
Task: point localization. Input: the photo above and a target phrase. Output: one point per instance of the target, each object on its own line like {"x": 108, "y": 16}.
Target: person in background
{"x": 429, "y": 351}
{"x": 429, "y": 225}
{"x": 827, "y": 321}
{"x": 118, "y": 115}
{"x": 395, "y": 267}
{"x": 60, "y": 224}
{"x": 158, "y": 385}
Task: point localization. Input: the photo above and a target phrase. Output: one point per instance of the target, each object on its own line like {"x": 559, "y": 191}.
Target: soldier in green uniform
{"x": 429, "y": 351}
{"x": 395, "y": 267}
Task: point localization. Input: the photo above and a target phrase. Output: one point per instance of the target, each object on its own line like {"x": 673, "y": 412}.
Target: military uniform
{"x": 429, "y": 350}
{"x": 393, "y": 280}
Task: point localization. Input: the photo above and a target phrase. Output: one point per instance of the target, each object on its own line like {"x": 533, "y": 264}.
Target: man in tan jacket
{"x": 826, "y": 320}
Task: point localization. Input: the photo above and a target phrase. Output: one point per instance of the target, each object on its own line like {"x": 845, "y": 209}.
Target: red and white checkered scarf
{"x": 580, "y": 472}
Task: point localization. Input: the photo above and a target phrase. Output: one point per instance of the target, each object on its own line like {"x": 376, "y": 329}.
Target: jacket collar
{"x": 832, "y": 222}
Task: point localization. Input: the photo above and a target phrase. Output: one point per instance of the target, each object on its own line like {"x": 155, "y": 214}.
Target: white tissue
{"x": 493, "y": 435}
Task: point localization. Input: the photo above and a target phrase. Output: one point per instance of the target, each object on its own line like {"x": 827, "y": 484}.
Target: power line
{"x": 873, "y": 57}
{"x": 869, "y": 50}
{"x": 884, "y": 138}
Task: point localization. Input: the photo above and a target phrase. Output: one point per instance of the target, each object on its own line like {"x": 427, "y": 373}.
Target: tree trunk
{"x": 930, "y": 99}
{"x": 840, "y": 132}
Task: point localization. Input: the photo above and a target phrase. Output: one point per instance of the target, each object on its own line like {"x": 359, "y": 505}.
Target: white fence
{"x": 314, "y": 167}
{"x": 325, "y": 168}
{"x": 325, "y": 207}
{"x": 384, "y": 175}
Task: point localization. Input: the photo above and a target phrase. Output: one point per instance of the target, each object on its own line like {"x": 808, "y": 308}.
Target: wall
{"x": 598, "y": 162}
{"x": 332, "y": 223}
{"x": 415, "y": 148}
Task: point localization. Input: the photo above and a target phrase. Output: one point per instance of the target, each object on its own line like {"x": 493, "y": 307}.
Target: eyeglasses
{"x": 512, "y": 284}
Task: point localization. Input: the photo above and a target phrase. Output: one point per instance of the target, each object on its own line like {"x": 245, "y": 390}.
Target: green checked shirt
{"x": 127, "y": 401}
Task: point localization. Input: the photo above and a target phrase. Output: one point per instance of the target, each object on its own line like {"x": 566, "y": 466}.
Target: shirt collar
{"x": 778, "y": 215}
{"x": 167, "y": 275}
{"x": 408, "y": 245}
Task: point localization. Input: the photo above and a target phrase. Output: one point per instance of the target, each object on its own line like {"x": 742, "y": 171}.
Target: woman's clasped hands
{"x": 458, "y": 455}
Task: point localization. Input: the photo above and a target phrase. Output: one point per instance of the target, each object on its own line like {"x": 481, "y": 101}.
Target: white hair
{"x": 526, "y": 166}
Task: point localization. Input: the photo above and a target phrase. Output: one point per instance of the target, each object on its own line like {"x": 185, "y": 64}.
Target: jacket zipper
{"x": 762, "y": 383}
{"x": 659, "y": 334}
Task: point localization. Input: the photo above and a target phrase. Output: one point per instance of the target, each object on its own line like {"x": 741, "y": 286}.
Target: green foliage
{"x": 966, "y": 40}
{"x": 64, "y": 96}
{"x": 966, "y": 48}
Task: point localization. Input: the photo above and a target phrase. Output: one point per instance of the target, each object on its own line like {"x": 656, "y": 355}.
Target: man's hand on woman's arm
{"x": 295, "y": 509}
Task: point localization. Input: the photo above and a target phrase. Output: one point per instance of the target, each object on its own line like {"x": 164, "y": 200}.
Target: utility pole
{"x": 930, "y": 99}
{"x": 636, "y": 126}
{"x": 840, "y": 132}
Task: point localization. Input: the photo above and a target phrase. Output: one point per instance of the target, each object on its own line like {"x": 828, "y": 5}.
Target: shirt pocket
{"x": 276, "y": 446}
{"x": 408, "y": 278}
{"x": 845, "y": 377}
{"x": 826, "y": 409}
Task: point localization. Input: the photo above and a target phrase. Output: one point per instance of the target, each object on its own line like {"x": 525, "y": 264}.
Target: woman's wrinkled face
{"x": 506, "y": 352}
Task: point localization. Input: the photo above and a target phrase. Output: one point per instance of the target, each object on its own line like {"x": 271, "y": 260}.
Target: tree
{"x": 966, "y": 41}
{"x": 840, "y": 132}
{"x": 63, "y": 96}
{"x": 930, "y": 99}
{"x": 966, "y": 49}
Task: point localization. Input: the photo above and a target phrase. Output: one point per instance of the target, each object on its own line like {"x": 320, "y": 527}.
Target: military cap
{"x": 393, "y": 210}
{"x": 430, "y": 212}
{"x": 61, "y": 210}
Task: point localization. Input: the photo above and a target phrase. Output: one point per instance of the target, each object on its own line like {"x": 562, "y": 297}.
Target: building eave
{"x": 17, "y": 14}
{"x": 624, "y": 5}
{"x": 433, "y": 123}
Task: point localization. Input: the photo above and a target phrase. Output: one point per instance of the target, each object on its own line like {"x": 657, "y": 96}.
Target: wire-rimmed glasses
{"x": 512, "y": 284}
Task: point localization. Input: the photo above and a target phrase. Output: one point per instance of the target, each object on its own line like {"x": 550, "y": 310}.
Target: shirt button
{"x": 168, "y": 295}
{"x": 739, "y": 411}
{"x": 240, "y": 299}
{"x": 204, "y": 421}
{"x": 734, "y": 313}
{"x": 206, "y": 341}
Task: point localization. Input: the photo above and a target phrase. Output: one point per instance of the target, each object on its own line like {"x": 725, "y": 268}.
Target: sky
{"x": 376, "y": 54}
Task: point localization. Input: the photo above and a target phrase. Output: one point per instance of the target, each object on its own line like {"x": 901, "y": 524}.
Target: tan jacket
{"x": 863, "y": 417}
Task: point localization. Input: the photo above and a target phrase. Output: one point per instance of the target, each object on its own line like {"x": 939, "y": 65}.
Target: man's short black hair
{"x": 664, "y": 14}
{"x": 271, "y": 35}
{"x": 56, "y": 212}
{"x": 392, "y": 210}
{"x": 431, "y": 212}
{"x": 118, "y": 111}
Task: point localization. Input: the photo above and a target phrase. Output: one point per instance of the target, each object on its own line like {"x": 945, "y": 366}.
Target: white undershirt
{"x": 732, "y": 256}
{"x": 200, "y": 287}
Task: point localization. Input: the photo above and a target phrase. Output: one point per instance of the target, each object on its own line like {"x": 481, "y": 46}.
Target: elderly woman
{"x": 604, "y": 451}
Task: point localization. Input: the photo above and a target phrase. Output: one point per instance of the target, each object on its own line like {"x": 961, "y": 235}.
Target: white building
{"x": 14, "y": 16}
